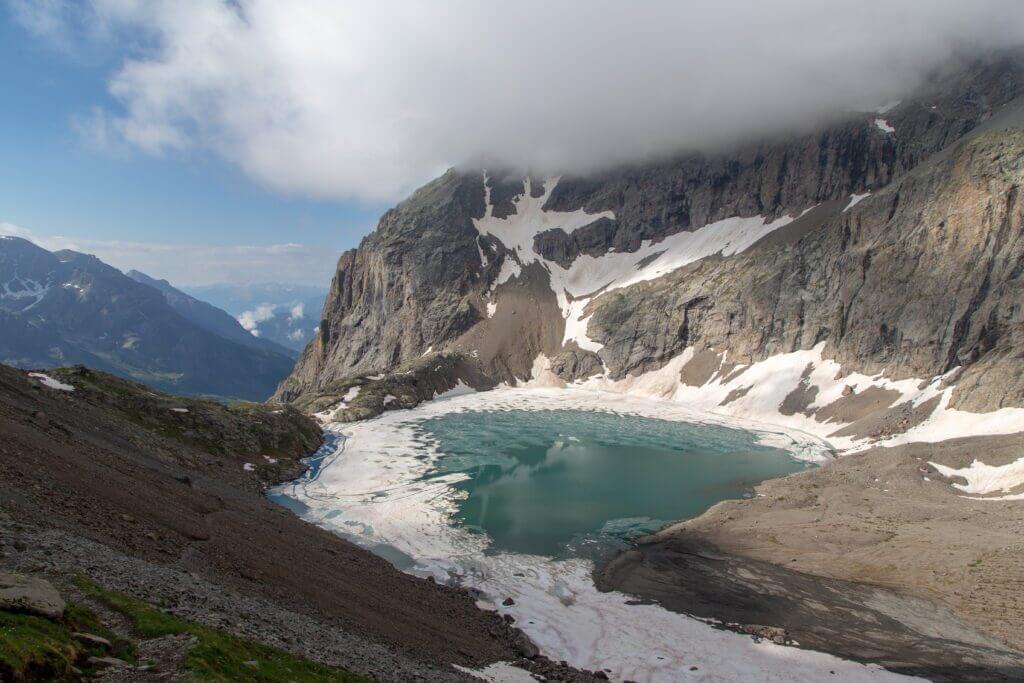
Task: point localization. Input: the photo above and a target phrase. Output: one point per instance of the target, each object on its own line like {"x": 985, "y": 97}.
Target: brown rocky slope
{"x": 162, "y": 497}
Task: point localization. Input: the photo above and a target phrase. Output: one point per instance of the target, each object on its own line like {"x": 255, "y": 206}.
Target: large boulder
{"x": 31, "y": 595}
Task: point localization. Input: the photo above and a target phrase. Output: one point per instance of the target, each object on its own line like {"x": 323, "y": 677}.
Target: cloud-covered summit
{"x": 339, "y": 100}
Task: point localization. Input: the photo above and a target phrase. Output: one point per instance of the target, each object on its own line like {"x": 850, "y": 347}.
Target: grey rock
{"x": 30, "y": 594}
{"x": 106, "y": 661}
{"x": 576, "y": 363}
{"x": 91, "y": 639}
{"x": 920, "y": 278}
{"x": 524, "y": 646}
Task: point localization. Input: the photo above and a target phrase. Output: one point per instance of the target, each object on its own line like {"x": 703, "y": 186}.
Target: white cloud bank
{"x": 201, "y": 264}
{"x": 339, "y": 99}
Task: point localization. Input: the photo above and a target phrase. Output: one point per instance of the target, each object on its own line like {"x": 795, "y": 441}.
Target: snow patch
{"x": 856, "y": 199}
{"x": 24, "y": 288}
{"x": 758, "y": 392}
{"x": 179, "y": 410}
{"x": 499, "y": 672}
{"x": 492, "y": 308}
{"x": 982, "y": 478}
{"x": 389, "y": 399}
{"x": 460, "y": 389}
{"x": 50, "y": 382}
{"x": 248, "y": 467}
{"x": 884, "y": 126}
{"x": 331, "y": 413}
{"x": 589, "y": 275}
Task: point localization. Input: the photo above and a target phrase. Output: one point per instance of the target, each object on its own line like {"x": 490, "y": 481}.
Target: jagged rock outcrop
{"x": 923, "y": 278}
{"x": 917, "y": 278}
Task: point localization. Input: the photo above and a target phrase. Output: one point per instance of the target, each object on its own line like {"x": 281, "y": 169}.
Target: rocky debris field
{"x": 161, "y": 499}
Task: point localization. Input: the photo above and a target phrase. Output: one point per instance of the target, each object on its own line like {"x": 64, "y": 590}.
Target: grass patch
{"x": 37, "y": 649}
{"x": 216, "y": 655}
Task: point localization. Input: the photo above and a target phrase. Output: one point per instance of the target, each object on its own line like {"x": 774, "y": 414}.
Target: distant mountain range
{"x": 210, "y": 317}
{"x": 63, "y": 308}
{"x": 284, "y": 314}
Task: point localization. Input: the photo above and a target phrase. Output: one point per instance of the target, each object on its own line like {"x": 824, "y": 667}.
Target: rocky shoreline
{"x": 873, "y": 557}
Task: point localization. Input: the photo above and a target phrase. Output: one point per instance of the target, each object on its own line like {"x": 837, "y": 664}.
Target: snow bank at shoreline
{"x": 757, "y": 393}
{"x": 371, "y": 488}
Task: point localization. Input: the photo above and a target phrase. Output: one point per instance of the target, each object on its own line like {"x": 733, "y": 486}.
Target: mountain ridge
{"x": 443, "y": 274}
{"x": 208, "y": 316}
{"x": 69, "y": 308}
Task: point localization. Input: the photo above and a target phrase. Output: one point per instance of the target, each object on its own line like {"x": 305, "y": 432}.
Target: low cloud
{"x": 251, "y": 320}
{"x": 342, "y": 100}
{"x": 201, "y": 264}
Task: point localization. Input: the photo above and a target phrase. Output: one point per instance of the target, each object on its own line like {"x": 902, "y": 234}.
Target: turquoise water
{"x": 572, "y": 483}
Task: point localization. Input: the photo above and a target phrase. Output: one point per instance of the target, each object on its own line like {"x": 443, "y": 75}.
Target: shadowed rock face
{"x": 918, "y": 278}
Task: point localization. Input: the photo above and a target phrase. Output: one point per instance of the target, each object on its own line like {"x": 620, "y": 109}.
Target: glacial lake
{"x": 580, "y": 483}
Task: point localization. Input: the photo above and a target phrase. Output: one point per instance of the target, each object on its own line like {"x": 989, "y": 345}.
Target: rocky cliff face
{"x": 890, "y": 241}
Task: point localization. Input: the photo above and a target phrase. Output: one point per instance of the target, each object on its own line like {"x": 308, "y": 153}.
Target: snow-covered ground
{"x": 987, "y": 479}
{"x": 756, "y": 392}
{"x": 50, "y": 382}
{"x": 24, "y": 288}
{"x": 370, "y": 488}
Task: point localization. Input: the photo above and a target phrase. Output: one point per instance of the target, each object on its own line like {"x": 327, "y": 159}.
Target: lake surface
{"x": 515, "y": 493}
{"x": 578, "y": 483}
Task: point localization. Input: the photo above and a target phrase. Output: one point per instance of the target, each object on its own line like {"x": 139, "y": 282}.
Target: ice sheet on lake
{"x": 371, "y": 488}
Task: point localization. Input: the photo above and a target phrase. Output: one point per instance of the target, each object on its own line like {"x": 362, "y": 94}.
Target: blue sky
{"x": 54, "y": 183}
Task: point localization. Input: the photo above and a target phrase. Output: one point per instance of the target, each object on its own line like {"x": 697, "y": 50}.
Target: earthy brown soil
{"x": 863, "y": 557}
{"x": 133, "y": 495}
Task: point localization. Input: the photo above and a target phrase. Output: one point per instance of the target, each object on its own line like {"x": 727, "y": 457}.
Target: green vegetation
{"x": 216, "y": 655}
{"x": 37, "y": 649}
